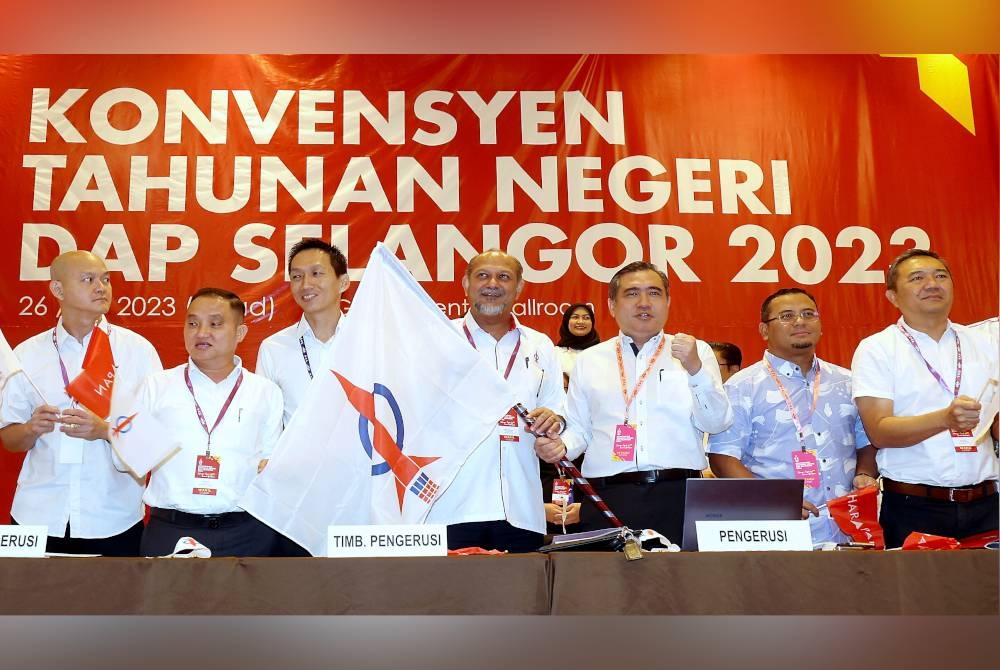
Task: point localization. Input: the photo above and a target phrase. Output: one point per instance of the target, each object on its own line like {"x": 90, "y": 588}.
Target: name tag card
{"x": 23, "y": 541}
{"x": 386, "y": 540}
{"x": 754, "y": 535}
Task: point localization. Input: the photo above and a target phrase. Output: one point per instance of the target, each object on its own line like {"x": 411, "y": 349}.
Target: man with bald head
{"x": 69, "y": 482}
{"x": 495, "y": 500}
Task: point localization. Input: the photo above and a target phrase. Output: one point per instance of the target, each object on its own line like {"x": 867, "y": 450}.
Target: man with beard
{"x": 69, "y": 481}
{"x": 921, "y": 386}
{"x": 638, "y": 406}
{"x": 793, "y": 415}
{"x": 495, "y": 500}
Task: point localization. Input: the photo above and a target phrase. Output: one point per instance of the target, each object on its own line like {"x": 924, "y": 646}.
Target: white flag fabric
{"x": 9, "y": 365}
{"x": 138, "y": 438}
{"x": 383, "y": 432}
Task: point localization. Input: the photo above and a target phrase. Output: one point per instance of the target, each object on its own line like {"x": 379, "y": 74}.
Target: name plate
{"x": 754, "y": 535}
{"x": 23, "y": 541}
{"x": 386, "y": 540}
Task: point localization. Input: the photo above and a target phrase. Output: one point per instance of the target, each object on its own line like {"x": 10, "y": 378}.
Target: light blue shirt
{"x": 763, "y": 435}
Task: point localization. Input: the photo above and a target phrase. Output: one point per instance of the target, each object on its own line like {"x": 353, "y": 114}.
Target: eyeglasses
{"x": 790, "y": 317}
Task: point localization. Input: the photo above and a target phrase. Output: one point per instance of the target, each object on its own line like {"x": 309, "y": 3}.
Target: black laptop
{"x": 714, "y": 499}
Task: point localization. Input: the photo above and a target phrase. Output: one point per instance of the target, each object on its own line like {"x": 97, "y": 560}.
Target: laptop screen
{"x": 714, "y": 499}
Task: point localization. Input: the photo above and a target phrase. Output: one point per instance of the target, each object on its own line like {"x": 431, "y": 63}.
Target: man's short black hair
{"x": 637, "y": 266}
{"x": 231, "y": 298}
{"x": 338, "y": 261}
{"x": 766, "y": 305}
{"x": 893, "y": 275}
{"x": 731, "y": 354}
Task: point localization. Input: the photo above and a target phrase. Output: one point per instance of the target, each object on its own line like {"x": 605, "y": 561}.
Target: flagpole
{"x": 28, "y": 377}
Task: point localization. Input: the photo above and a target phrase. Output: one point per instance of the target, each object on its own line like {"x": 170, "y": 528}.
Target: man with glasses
{"x": 921, "y": 386}
{"x": 793, "y": 416}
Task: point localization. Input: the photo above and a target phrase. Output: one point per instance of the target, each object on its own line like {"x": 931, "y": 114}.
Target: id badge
{"x": 624, "y": 446}
{"x": 562, "y": 492}
{"x": 806, "y": 467}
{"x": 964, "y": 441}
{"x": 206, "y": 467}
{"x": 509, "y": 430}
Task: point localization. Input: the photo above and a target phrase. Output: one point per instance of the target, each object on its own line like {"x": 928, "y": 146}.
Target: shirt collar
{"x": 787, "y": 368}
{"x": 303, "y": 329}
{"x": 197, "y": 374}
{"x": 473, "y": 326}
{"x": 62, "y": 335}
{"x": 920, "y": 336}
{"x": 627, "y": 341}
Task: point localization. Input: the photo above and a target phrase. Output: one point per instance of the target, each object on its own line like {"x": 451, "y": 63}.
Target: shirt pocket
{"x": 671, "y": 387}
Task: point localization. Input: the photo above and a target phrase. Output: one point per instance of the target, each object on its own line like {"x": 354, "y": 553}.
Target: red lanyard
{"x": 62, "y": 366}
{"x": 937, "y": 375}
{"x": 788, "y": 400}
{"x": 222, "y": 412}
{"x": 626, "y": 396}
{"x": 513, "y": 355}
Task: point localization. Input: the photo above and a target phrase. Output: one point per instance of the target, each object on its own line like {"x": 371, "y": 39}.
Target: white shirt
{"x": 567, "y": 359}
{"x": 887, "y": 366}
{"x": 500, "y": 480}
{"x": 670, "y": 412}
{"x": 280, "y": 359}
{"x": 247, "y": 433}
{"x": 92, "y": 496}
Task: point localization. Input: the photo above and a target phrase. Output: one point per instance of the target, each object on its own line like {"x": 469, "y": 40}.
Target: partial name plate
{"x": 23, "y": 541}
{"x": 387, "y": 540}
{"x": 754, "y": 535}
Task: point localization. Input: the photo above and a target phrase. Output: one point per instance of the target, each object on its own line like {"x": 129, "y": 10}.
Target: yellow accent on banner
{"x": 945, "y": 80}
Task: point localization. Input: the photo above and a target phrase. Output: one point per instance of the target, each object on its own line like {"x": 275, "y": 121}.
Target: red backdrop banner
{"x": 737, "y": 173}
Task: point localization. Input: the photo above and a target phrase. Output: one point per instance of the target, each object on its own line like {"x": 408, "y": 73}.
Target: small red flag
{"x": 857, "y": 515}
{"x": 979, "y": 540}
{"x": 92, "y": 387}
{"x": 918, "y": 540}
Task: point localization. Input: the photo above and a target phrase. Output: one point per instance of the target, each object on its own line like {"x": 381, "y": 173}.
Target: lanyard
{"x": 62, "y": 366}
{"x": 626, "y": 396}
{"x": 937, "y": 375}
{"x": 788, "y": 400}
{"x": 222, "y": 412}
{"x": 305, "y": 355}
{"x": 513, "y": 355}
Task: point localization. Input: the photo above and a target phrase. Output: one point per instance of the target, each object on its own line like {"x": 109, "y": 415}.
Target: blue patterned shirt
{"x": 763, "y": 435}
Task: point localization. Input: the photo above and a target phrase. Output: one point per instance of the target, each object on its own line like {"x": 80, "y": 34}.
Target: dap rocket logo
{"x": 406, "y": 469}
{"x": 123, "y": 424}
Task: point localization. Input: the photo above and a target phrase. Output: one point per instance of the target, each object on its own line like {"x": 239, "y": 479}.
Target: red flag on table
{"x": 92, "y": 387}
{"x": 917, "y": 540}
{"x": 857, "y": 515}
{"x": 979, "y": 540}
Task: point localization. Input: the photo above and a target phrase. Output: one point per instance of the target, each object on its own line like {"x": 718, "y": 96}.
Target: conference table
{"x": 586, "y": 583}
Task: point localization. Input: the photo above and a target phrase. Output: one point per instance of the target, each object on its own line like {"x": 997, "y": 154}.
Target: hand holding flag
{"x": 857, "y": 515}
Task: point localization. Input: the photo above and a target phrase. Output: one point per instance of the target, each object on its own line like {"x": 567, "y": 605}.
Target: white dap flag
{"x": 386, "y": 427}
